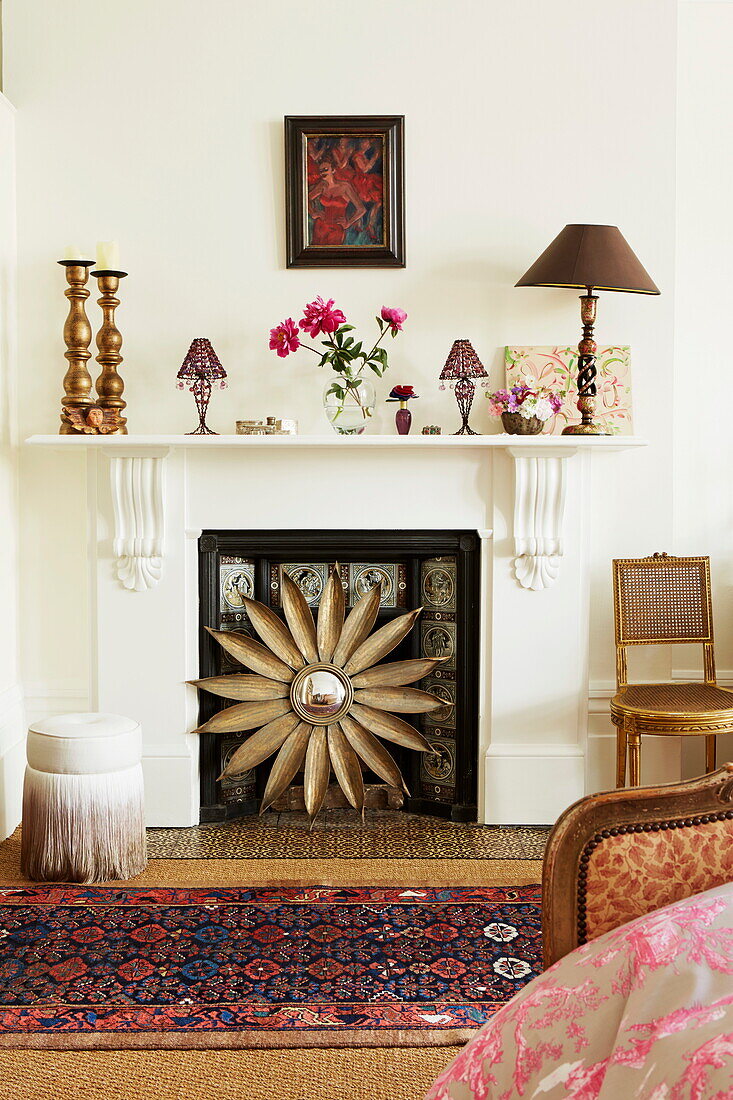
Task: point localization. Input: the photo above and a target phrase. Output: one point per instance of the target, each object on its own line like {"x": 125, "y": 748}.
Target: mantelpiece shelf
{"x": 538, "y": 443}
{"x": 137, "y": 483}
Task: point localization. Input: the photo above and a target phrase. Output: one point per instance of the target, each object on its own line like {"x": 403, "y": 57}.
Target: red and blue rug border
{"x": 65, "y": 1026}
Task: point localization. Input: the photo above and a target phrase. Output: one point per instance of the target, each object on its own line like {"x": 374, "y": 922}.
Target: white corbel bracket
{"x": 539, "y": 504}
{"x": 137, "y": 487}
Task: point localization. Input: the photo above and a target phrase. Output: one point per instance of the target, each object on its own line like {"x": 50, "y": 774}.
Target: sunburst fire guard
{"x": 319, "y": 698}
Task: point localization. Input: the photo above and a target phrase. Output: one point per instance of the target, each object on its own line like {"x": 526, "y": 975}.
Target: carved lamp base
{"x": 587, "y": 349}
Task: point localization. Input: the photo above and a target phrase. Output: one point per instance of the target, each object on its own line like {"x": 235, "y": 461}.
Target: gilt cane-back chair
{"x": 615, "y": 856}
{"x": 657, "y": 601}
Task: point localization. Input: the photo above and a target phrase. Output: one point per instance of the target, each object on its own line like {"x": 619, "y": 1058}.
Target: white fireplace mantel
{"x": 136, "y": 464}
{"x": 150, "y": 497}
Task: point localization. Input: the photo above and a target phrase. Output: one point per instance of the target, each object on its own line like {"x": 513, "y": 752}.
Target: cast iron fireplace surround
{"x": 444, "y": 785}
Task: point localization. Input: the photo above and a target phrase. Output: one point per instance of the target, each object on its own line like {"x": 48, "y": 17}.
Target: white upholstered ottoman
{"x": 83, "y": 815}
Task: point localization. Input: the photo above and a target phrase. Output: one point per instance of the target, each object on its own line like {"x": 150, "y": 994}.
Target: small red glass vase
{"x": 403, "y": 420}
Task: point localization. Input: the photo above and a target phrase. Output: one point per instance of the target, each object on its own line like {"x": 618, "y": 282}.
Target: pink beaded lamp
{"x": 462, "y": 365}
{"x": 200, "y": 369}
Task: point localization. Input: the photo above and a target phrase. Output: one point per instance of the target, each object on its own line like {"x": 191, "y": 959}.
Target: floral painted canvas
{"x": 555, "y": 368}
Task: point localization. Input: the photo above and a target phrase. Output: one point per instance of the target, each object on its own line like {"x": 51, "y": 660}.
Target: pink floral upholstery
{"x": 646, "y": 1011}
{"x": 635, "y": 873}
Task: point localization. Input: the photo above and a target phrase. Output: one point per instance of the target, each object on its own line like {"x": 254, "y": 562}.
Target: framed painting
{"x": 344, "y": 185}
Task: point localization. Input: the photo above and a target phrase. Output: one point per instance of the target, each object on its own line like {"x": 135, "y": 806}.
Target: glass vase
{"x": 349, "y": 409}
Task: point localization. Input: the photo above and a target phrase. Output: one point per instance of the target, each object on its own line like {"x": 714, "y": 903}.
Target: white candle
{"x": 108, "y": 256}
{"x": 73, "y": 252}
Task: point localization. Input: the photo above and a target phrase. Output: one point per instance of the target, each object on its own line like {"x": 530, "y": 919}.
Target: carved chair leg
{"x": 710, "y": 753}
{"x": 620, "y": 756}
{"x": 634, "y": 743}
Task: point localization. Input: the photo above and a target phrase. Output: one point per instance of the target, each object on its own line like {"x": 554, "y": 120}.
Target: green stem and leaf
{"x": 347, "y": 358}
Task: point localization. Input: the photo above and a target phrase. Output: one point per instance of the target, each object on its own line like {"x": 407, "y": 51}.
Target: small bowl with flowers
{"x": 524, "y": 410}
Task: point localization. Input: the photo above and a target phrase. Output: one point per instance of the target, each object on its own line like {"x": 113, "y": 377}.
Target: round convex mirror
{"x": 321, "y": 694}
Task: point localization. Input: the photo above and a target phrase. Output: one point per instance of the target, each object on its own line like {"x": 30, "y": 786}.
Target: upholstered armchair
{"x": 615, "y": 856}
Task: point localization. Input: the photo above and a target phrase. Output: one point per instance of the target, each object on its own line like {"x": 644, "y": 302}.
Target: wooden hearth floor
{"x": 341, "y": 834}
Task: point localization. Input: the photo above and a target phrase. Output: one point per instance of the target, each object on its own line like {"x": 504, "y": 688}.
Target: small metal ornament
{"x": 271, "y": 426}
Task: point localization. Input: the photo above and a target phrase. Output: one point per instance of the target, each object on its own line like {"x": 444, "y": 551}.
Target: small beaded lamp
{"x": 461, "y": 366}
{"x": 200, "y": 369}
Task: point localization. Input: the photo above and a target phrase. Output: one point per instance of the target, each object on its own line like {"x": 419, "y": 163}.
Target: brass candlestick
{"x": 77, "y": 337}
{"x": 109, "y": 384}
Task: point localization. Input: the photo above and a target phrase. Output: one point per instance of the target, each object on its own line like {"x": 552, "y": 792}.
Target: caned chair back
{"x": 661, "y": 600}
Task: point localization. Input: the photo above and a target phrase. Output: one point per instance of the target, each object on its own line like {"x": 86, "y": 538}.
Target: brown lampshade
{"x": 595, "y": 256}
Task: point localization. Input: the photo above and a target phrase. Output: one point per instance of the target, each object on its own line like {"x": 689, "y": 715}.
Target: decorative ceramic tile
{"x": 242, "y": 787}
{"x": 556, "y": 368}
{"x": 341, "y": 834}
{"x": 310, "y": 578}
{"x": 439, "y": 584}
{"x": 444, "y": 717}
{"x": 364, "y": 575}
{"x": 357, "y": 579}
{"x": 237, "y": 578}
{"x": 439, "y": 766}
{"x": 438, "y": 639}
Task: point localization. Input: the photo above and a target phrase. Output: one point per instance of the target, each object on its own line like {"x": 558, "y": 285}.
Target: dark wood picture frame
{"x": 389, "y": 249}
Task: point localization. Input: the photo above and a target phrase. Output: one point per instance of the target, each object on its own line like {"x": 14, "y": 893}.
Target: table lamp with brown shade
{"x": 590, "y": 257}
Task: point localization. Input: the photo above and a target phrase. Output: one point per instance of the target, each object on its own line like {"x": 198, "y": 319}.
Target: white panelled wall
{"x": 519, "y": 118}
{"x": 12, "y": 720}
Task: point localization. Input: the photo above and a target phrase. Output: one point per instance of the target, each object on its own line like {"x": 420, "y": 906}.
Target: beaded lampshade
{"x": 461, "y": 366}
{"x": 200, "y": 369}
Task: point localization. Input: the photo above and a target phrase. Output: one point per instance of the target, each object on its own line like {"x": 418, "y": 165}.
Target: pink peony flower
{"x": 284, "y": 338}
{"x": 395, "y": 317}
{"x": 320, "y": 316}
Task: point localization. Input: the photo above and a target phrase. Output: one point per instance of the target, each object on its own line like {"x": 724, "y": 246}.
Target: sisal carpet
{"x": 370, "y": 1074}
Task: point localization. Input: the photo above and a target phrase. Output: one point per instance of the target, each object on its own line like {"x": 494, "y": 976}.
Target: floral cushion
{"x": 635, "y": 873}
{"x": 644, "y": 1011}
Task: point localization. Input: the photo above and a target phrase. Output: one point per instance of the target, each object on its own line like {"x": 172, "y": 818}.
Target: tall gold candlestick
{"x": 77, "y": 337}
{"x": 109, "y": 384}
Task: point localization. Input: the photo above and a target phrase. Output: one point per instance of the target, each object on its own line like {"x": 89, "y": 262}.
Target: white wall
{"x": 703, "y": 501}
{"x": 519, "y": 118}
{"x": 12, "y": 725}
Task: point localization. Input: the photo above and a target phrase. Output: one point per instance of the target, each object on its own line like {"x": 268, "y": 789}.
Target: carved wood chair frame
{"x": 599, "y": 820}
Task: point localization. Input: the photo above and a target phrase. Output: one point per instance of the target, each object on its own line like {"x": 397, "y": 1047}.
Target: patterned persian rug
{"x": 266, "y": 967}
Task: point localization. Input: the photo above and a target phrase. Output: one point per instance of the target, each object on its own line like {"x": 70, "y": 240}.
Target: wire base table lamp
{"x": 199, "y": 370}
{"x": 589, "y": 257}
{"x": 461, "y": 366}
